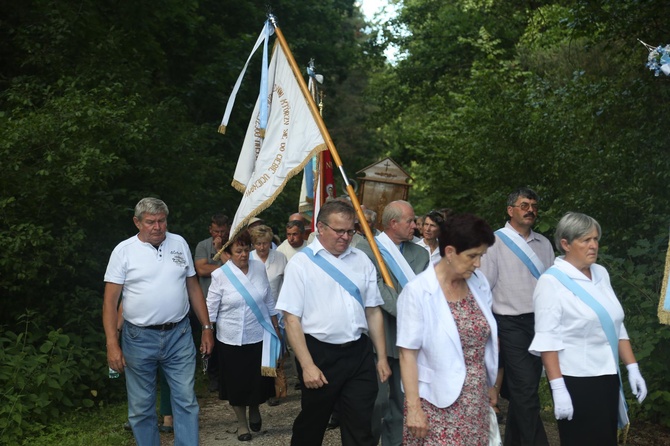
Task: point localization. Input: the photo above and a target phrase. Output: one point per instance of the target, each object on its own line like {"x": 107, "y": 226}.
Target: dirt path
{"x": 218, "y": 423}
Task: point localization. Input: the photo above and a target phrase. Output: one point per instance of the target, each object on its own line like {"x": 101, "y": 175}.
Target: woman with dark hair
{"x": 580, "y": 335}
{"x": 448, "y": 341}
{"x": 240, "y": 302}
{"x": 431, "y": 234}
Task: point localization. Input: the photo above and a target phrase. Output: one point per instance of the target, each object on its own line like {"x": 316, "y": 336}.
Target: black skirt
{"x": 596, "y": 401}
{"x": 240, "y": 379}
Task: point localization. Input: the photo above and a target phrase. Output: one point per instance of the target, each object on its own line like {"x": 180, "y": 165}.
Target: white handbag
{"x": 494, "y": 431}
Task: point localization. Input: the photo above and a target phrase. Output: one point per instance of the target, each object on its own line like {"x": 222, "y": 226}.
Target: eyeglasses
{"x": 341, "y": 232}
{"x": 525, "y": 206}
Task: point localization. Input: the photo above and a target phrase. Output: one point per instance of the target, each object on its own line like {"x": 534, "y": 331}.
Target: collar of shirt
{"x": 316, "y": 246}
{"x": 531, "y": 236}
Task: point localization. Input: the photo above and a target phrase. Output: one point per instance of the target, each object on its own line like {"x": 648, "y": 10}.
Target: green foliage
{"x": 43, "y": 372}
{"x": 103, "y": 103}
{"x": 637, "y": 282}
{"x": 83, "y": 427}
{"x": 490, "y": 96}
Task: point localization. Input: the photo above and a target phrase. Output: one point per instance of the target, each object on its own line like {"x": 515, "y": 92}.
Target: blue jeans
{"x": 144, "y": 350}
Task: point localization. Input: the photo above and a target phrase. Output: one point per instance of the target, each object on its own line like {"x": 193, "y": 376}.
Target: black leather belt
{"x": 328, "y": 344}
{"x": 163, "y": 327}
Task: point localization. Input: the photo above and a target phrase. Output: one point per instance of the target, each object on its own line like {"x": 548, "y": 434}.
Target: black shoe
{"x": 256, "y": 427}
{"x": 273, "y": 401}
{"x": 126, "y": 426}
{"x": 244, "y": 437}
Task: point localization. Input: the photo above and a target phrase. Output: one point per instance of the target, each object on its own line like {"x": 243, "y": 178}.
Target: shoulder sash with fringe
{"x": 271, "y": 343}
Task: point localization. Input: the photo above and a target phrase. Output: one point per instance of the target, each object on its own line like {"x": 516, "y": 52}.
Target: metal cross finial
{"x": 271, "y": 17}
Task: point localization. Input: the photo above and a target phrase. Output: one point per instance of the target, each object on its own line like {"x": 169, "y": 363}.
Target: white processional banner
{"x": 292, "y": 137}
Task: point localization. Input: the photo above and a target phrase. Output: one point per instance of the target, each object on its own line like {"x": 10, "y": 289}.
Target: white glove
{"x": 562, "y": 402}
{"x": 637, "y": 384}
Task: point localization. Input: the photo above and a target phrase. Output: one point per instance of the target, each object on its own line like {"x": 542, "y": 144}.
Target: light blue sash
{"x": 608, "y": 328}
{"x": 337, "y": 275}
{"x": 275, "y": 344}
{"x": 519, "y": 253}
{"x": 393, "y": 265}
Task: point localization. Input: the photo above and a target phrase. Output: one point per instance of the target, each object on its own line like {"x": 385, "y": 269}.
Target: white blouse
{"x": 274, "y": 267}
{"x": 565, "y": 324}
{"x": 235, "y": 322}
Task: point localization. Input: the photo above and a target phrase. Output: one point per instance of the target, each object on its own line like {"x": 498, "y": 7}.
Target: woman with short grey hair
{"x": 574, "y": 225}
{"x": 580, "y": 335}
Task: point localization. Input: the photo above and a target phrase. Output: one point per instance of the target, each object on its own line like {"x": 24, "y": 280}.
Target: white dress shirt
{"x": 327, "y": 311}
{"x": 565, "y": 324}
{"x": 274, "y": 267}
{"x": 435, "y": 256}
{"x": 235, "y": 322}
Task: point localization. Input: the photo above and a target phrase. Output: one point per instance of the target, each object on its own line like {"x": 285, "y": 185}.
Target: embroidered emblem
{"x": 178, "y": 258}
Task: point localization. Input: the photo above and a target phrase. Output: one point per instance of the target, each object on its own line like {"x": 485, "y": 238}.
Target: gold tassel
{"x": 623, "y": 433}
{"x": 222, "y": 129}
{"x": 269, "y": 371}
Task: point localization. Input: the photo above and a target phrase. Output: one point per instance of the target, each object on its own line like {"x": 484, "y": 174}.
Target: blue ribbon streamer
{"x": 267, "y": 30}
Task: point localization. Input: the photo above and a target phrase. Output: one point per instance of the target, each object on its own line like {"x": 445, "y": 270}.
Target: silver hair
{"x": 370, "y": 215}
{"x": 151, "y": 206}
{"x": 572, "y": 226}
{"x": 393, "y": 211}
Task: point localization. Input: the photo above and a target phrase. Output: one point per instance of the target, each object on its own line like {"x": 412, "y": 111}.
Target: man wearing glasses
{"x": 331, "y": 307}
{"x": 512, "y": 266}
{"x": 404, "y": 260}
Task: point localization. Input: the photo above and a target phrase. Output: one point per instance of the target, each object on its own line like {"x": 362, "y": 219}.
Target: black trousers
{"x": 352, "y": 382}
{"x": 595, "y": 401}
{"x": 522, "y": 379}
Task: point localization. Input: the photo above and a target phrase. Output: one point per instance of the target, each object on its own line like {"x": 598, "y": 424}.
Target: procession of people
{"x": 470, "y": 315}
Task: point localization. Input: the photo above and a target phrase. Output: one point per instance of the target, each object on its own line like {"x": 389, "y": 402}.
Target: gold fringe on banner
{"x": 664, "y": 302}
{"x": 222, "y": 129}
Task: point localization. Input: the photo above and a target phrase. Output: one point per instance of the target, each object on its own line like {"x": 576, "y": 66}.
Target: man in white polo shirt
{"x": 155, "y": 272}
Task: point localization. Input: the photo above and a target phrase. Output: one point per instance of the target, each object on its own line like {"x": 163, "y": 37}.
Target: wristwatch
{"x": 208, "y": 327}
